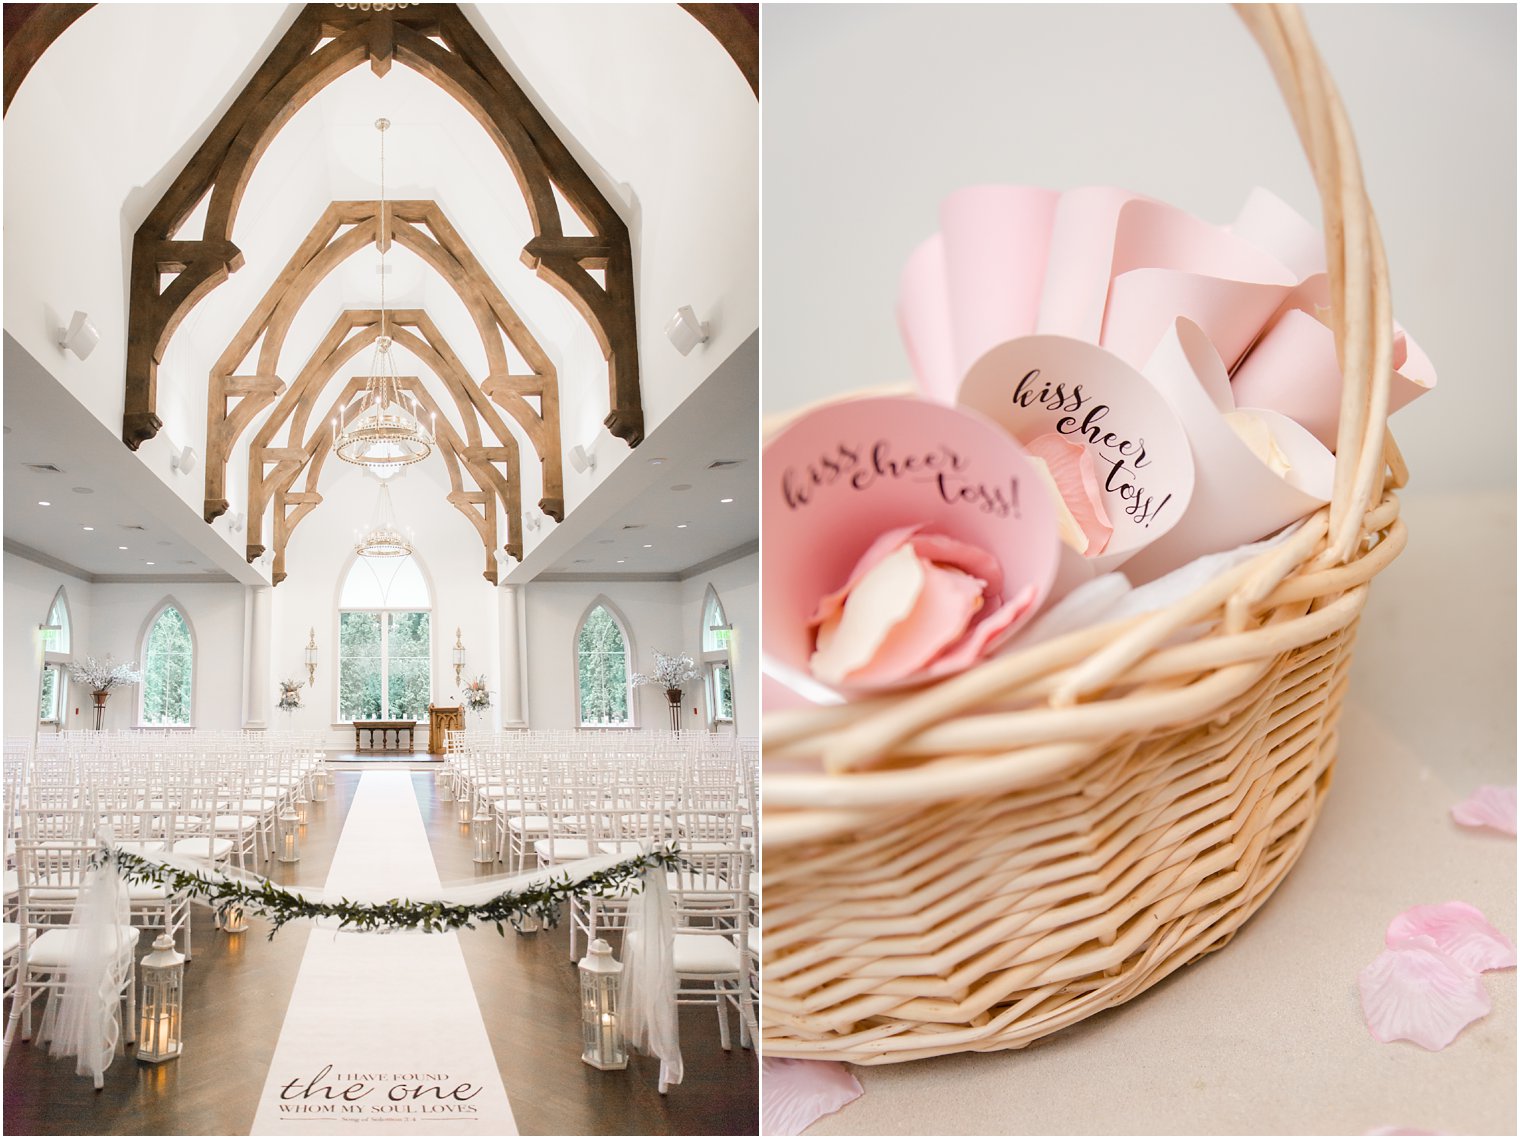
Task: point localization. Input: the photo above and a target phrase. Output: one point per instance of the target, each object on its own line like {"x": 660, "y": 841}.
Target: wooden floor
{"x": 236, "y": 993}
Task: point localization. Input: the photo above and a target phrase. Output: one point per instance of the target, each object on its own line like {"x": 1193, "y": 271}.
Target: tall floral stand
{"x": 100, "y": 708}
{"x": 673, "y": 695}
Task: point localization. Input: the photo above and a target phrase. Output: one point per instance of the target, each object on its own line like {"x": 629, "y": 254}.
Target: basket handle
{"x": 1361, "y": 308}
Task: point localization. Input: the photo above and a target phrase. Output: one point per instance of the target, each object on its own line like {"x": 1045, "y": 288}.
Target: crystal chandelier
{"x": 383, "y": 539}
{"x": 378, "y": 429}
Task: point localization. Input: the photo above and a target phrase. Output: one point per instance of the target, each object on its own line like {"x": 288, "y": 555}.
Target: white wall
{"x": 214, "y": 611}
{"x": 317, "y": 559}
{"x": 29, "y": 590}
{"x": 652, "y": 613}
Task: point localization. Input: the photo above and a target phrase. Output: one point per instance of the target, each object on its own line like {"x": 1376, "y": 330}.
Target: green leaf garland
{"x": 280, "y": 905}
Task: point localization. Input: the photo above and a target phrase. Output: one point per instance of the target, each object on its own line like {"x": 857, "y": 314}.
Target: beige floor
{"x": 1267, "y": 1036}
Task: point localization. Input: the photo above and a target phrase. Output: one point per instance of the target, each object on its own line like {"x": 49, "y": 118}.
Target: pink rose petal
{"x": 876, "y": 553}
{"x": 885, "y": 597}
{"x": 945, "y": 606}
{"x": 1071, "y": 466}
{"x": 1459, "y": 931}
{"x": 800, "y": 1092}
{"x": 1413, "y": 991}
{"x": 985, "y": 634}
{"x": 1488, "y": 806}
{"x": 947, "y": 551}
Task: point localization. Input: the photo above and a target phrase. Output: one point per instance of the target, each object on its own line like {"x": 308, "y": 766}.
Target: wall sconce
{"x": 458, "y": 656}
{"x": 311, "y": 659}
{"x": 183, "y": 460}
{"x": 685, "y": 331}
{"x": 581, "y": 459}
{"x": 80, "y": 337}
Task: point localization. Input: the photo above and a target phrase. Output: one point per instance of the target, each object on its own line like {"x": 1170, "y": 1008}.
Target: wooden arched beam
{"x": 30, "y": 30}
{"x": 737, "y": 28}
{"x": 422, "y": 227}
{"x": 291, "y": 507}
{"x": 299, "y": 67}
{"x": 273, "y": 469}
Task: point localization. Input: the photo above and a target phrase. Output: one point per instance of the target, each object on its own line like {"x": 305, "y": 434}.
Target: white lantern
{"x": 445, "y": 786}
{"x": 158, "y": 1026}
{"x": 288, "y": 836}
{"x": 601, "y": 1027}
{"x": 466, "y": 811}
{"x": 483, "y": 834}
{"x": 319, "y": 784}
{"x": 301, "y": 810}
{"x": 232, "y": 919}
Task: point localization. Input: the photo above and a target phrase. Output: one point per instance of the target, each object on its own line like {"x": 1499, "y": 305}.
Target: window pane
{"x": 723, "y": 693}
{"x": 57, "y": 640}
{"x": 48, "y": 712}
{"x": 409, "y": 684}
{"x": 714, "y": 640}
{"x": 602, "y": 658}
{"x": 167, "y": 671}
{"x": 359, "y": 666}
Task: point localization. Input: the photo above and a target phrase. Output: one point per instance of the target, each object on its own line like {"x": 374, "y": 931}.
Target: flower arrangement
{"x": 290, "y": 695}
{"x": 1107, "y": 388}
{"x": 102, "y": 677}
{"x": 476, "y": 696}
{"x": 672, "y": 673}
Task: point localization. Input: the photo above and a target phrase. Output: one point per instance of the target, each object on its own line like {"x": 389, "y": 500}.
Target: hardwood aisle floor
{"x": 238, "y": 987}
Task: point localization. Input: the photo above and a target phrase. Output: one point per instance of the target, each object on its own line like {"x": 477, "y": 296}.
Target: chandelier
{"x": 379, "y": 429}
{"x": 383, "y": 539}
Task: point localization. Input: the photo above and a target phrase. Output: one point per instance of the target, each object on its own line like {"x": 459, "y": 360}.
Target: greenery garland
{"x": 280, "y": 905}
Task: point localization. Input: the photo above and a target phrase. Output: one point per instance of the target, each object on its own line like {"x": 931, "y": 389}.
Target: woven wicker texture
{"x": 988, "y": 860}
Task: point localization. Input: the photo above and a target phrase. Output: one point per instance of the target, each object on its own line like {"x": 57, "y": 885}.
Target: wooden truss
{"x": 235, "y": 401}
{"x": 325, "y": 42}
{"x": 273, "y": 468}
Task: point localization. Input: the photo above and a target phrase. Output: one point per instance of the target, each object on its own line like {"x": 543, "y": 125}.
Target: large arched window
{"x": 168, "y": 664}
{"x": 716, "y": 665}
{"x": 385, "y": 654}
{"x": 56, "y": 642}
{"x": 601, "y": 669}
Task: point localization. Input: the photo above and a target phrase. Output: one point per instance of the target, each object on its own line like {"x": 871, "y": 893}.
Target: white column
{"x": 509, "y": 602}
{"x": 258, "y": 659}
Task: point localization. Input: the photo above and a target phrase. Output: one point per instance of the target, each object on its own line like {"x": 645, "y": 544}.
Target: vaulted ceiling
{"x": 518, "y": 261}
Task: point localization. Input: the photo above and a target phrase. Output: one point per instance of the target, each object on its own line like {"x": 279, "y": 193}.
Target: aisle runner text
{"x": 383, "y": 1034}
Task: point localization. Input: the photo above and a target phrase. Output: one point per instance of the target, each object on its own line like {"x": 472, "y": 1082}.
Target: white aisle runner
{"x": 383, "y": 1034}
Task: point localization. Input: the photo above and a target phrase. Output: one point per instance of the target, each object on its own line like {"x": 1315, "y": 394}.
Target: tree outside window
{"x": 717, "y": 638}
{"x": 167, "y": 671}
{"x": 602, "y": 669}
{"x": 385, "y": 646}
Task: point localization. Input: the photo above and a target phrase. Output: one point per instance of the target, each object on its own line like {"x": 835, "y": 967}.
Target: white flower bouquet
{"x": 671, "y": 673}
{"x": 102, "y": 677}
{"x": 476, "y": 696}
{"x": 290, "y": 695}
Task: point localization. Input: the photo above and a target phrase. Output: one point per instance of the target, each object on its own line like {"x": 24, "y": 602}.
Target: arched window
{"x": 385, "y": 641}
{"x": 601, "y": 668}
{"x": 717, "y": 634}
{"x": 56, "y": 641}
{"x": 168, "y": 658}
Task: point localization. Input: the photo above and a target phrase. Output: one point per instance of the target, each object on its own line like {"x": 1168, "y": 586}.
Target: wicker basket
{"x": 961, "y": 877}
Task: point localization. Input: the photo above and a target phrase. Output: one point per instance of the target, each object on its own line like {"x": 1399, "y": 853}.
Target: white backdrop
{"x": 874, "y": 112}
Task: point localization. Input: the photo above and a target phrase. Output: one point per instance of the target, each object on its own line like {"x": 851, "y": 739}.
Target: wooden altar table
{"x": 385, "y": 727}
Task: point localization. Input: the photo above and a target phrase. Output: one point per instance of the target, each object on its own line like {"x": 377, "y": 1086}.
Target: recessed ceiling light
{"x": 680, "y": 525}
{"x": 42, "y": 503}
{"x": 83, "y": 490}
{"x": 725, "y": 500}
{"x": 153, "y": 563}
{"x": 658, "y": 462}
{"x": 649, "y": 545}
{"x": 121, "y": 547}
{"x": 681, "y": 486}
{"x": 89, "y": 527}
{"x": 622, "y": 560}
